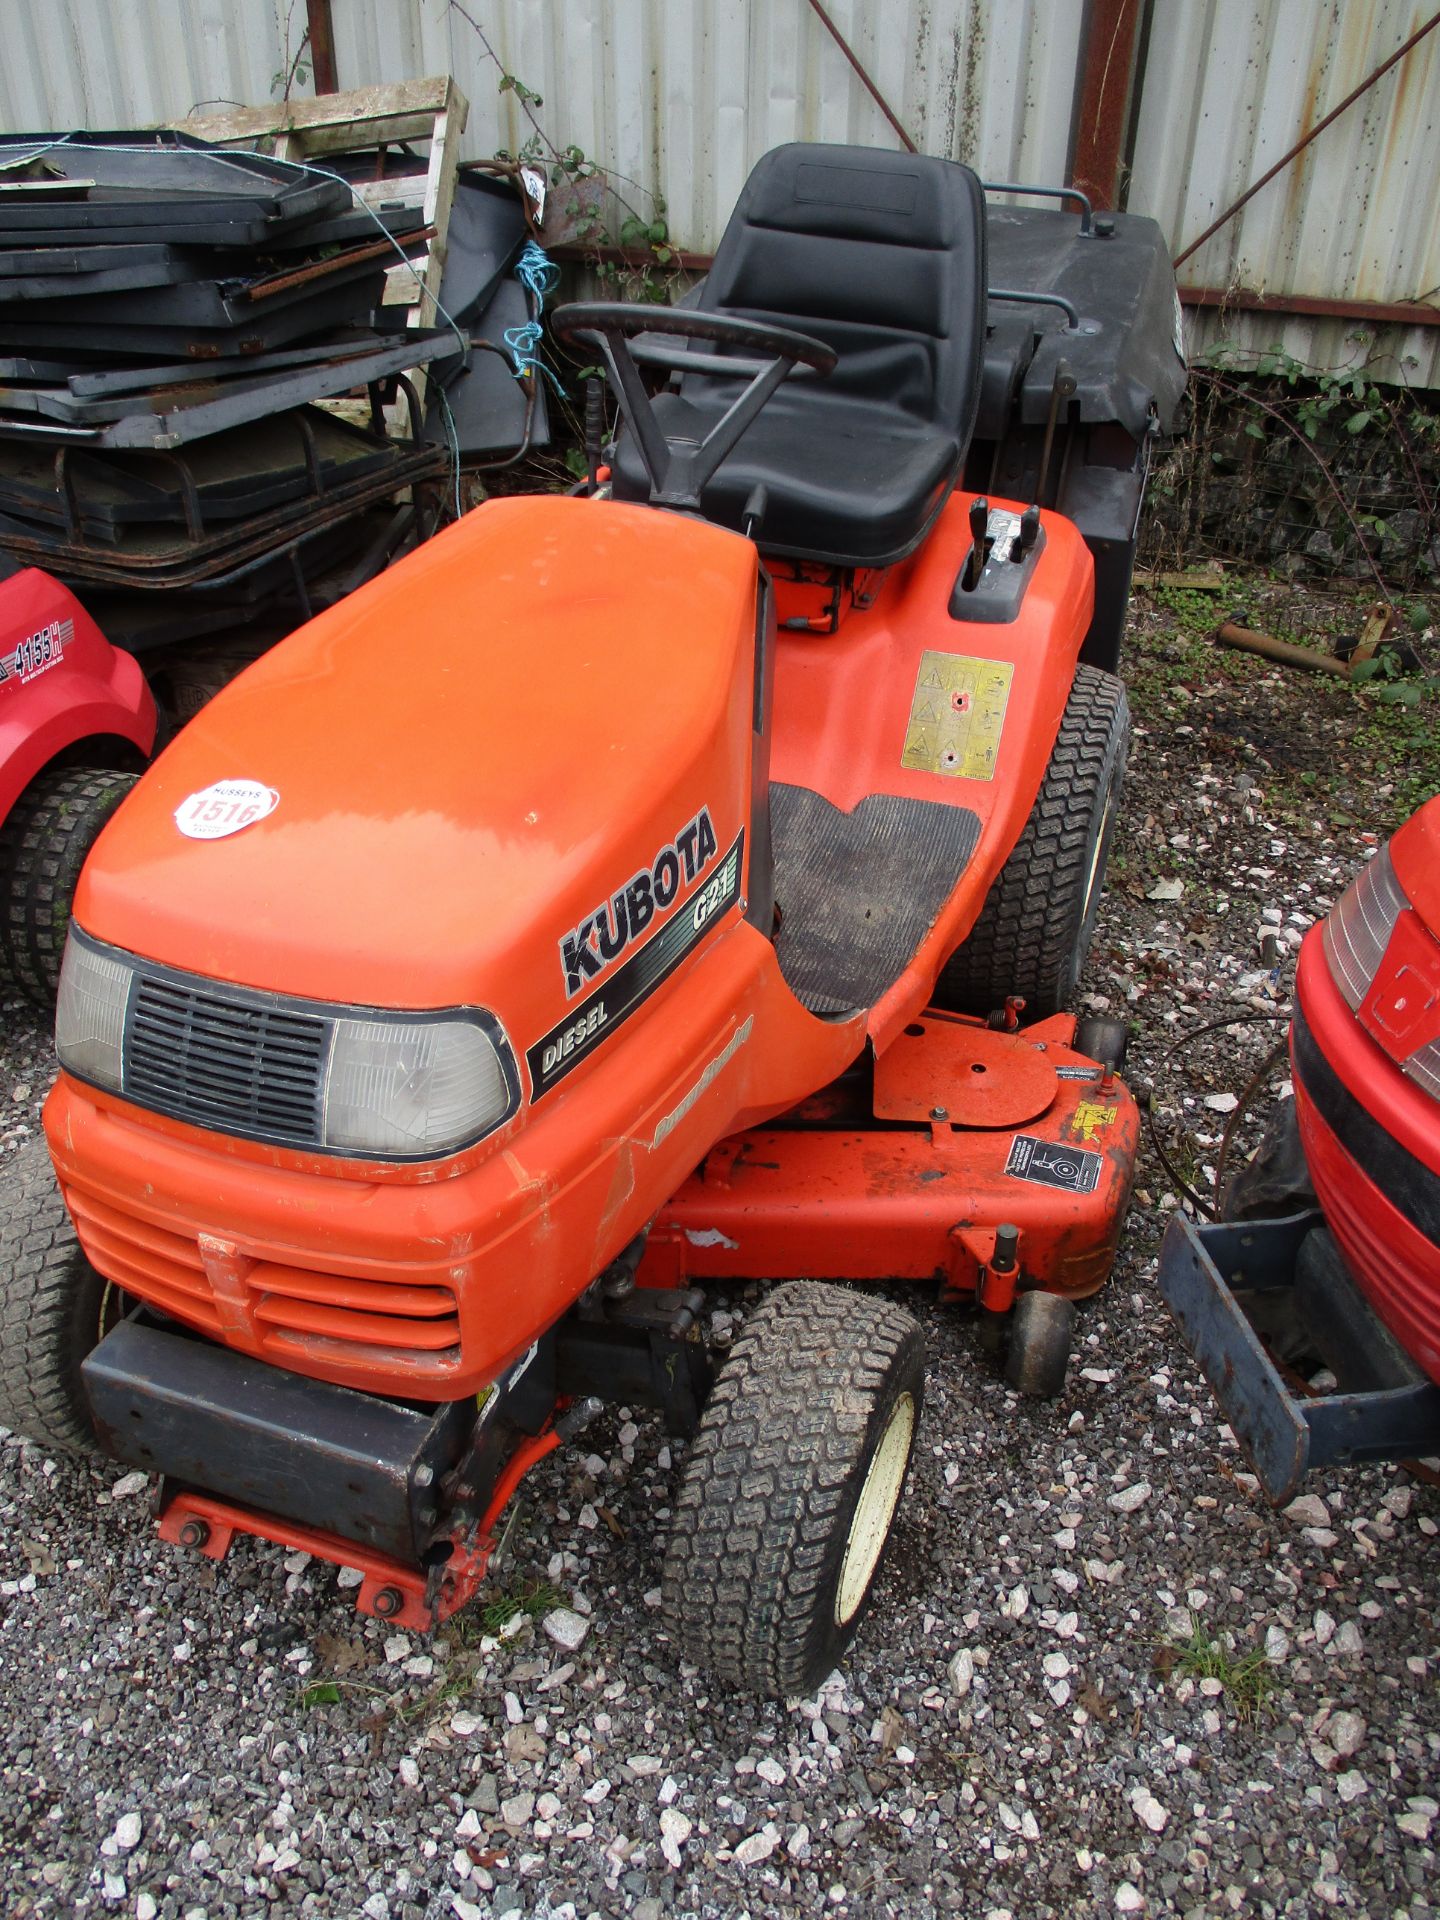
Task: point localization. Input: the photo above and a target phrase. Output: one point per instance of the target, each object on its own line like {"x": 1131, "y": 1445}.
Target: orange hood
{"x": 466, "y": 756}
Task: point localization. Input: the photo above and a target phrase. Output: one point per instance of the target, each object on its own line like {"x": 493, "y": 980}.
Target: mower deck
{"x": 961, "y": 1130}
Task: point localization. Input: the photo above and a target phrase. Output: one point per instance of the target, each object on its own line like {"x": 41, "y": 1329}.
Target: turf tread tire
{"x": 51, "y": 1306}
{"x": 1033, "y": 930}
{"x": 43, "y": 845}
{"x": 771, "y": 1483}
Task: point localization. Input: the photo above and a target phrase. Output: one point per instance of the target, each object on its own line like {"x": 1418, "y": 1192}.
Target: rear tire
{"x": 43, "y": 845}
{"x": 1034, "y": 929}
{"x": 1042, "y": 1328}
{"x": 791, "y": 1488}
{"x": 54, "y": 1307}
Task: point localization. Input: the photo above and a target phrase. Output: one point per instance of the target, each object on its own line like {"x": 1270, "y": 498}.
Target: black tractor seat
{"x": 882, "y": 256}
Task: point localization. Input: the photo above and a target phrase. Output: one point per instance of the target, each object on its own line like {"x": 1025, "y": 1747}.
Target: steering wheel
{"x": 679, "y": 469}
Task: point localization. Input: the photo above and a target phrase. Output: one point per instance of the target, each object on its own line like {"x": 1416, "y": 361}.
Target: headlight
{"x": 1357, "y": 936}
{"x": 265, "y": 1066}
{"x": 411, "y": 1087}
{"x": 1359, "y": 927}
{"x": 90, "y": 1012}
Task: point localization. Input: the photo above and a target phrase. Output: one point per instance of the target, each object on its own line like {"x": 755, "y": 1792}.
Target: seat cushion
{"x": 882, "y": 256}
{"x": 848, "y": 484}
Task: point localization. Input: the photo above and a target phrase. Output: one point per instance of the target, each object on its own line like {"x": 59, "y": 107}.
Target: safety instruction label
{"x": 957, "y": 715}
{"x": 1048, "y": 1163}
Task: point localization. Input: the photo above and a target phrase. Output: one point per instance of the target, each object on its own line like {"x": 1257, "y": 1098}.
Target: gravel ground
{"x": 1100, "y": 1676}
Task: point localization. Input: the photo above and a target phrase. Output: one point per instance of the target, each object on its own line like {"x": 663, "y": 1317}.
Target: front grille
{"x": 284, "y": 1313}
{"x": 230, "y": 1061}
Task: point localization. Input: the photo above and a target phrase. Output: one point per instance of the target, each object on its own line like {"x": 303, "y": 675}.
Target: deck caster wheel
{"x": 791, "y": 1486}
{"x": 1107, "y": 1041}
{"x": 1041, "y": 1329}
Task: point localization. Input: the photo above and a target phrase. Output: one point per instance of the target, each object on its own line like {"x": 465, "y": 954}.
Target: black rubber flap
{"x": 859, "y": 891}
{"x": 320, "y": 1455}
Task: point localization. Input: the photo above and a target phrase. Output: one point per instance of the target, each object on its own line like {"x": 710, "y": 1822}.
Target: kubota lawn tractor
{"x": 624, "y": 892}
{"x": 1330, "y": 1244}
{"x": 77, "y": 723}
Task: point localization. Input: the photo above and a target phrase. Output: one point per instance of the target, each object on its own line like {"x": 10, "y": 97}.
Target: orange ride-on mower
{"x": 618, "y": 893}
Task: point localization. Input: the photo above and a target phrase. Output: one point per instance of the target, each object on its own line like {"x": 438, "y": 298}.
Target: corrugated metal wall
{"x": 685, "y": 94}
{"x": 680, "y": 94}
{"x": 1229, "y": 86}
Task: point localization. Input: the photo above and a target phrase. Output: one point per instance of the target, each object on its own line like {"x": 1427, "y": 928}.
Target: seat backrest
{"x": 881, "y": 255}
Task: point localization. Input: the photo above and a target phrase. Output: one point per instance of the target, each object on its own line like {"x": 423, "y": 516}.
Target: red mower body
{"x": 1365, "y": 1048}
{"x": 61, "y": 683}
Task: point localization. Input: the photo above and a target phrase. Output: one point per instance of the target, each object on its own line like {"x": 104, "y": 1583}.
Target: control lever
{"x": 1028, "y": 534}
{"x": 975, "y": 562}
{"x": 753, "y": 516}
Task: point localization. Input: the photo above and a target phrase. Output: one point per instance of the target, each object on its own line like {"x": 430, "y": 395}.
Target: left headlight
{"x": 264, "y": 1066}
{"x": 411, "y": 1087}
{"x": 90, "y": 1012}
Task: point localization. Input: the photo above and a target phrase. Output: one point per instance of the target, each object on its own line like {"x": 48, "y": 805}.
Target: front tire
{"x": 54, "y": 1307}
{"x": 43, "y": 845}
{"x": 791, "y": 1487}
{"x": 1034, "y": 929}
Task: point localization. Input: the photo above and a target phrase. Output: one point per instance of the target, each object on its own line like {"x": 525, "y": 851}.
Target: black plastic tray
{"x": 163, "y": 186}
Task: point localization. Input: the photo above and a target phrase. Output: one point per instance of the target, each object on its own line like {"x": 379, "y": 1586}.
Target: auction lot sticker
{"x": 224, "y": 808}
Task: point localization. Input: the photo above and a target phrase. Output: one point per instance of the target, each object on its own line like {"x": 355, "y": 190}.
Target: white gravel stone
{"x": 126, "y": 1836}
{"x": 1277, "y": 1645}
{"x": 1351, "y": 1785}
{"x": 1324, "y": 1627}
{"x": 566, "y": 1628}
{"x": 1348, "y": 1639}
{"x": 465, "y": 1723}
{"x": 409, "y": 1771}
{"x": 1128, "y": 1898}
{"x": 644, "y": 1764}
{"x": 129, "y": 1485}
{"x": 1345, "y": 1732}
{"x": 1148, "y": 1810}
{"x": 675, "y": 1830}
{"x": 1308, "y": 1510}
{"x": 772, "y": 1771}
{"x": 756, "y": 1847}
{"x": 962, "y": 1671}
{"x": 1131, "y": 1497}
{"x": 1418, "y": 1818}
{"x": 1055, "y": 1666}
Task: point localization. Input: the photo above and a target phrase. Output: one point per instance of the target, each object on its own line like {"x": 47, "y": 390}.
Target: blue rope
{"x": 539, "y": 276}
{"x": 537, "y": 272}
{"x": 522, "y": 342}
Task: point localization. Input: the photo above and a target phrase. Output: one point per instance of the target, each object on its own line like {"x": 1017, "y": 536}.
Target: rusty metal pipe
{"x": 1246, "y": 640}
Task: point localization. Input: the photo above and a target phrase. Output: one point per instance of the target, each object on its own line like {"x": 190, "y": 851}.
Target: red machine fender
{"x": 61, "y": 682}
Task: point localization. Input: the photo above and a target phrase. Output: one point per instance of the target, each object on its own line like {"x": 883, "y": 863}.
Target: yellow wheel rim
{"x": 874, "y": 1510}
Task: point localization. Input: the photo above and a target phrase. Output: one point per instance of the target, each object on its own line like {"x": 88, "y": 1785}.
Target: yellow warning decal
{"x": 1088, "y": 1118}
{"x": 957, "y": 715}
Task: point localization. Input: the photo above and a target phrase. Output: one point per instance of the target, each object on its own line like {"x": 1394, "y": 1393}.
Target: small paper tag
{"x": 224, "y": 808}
